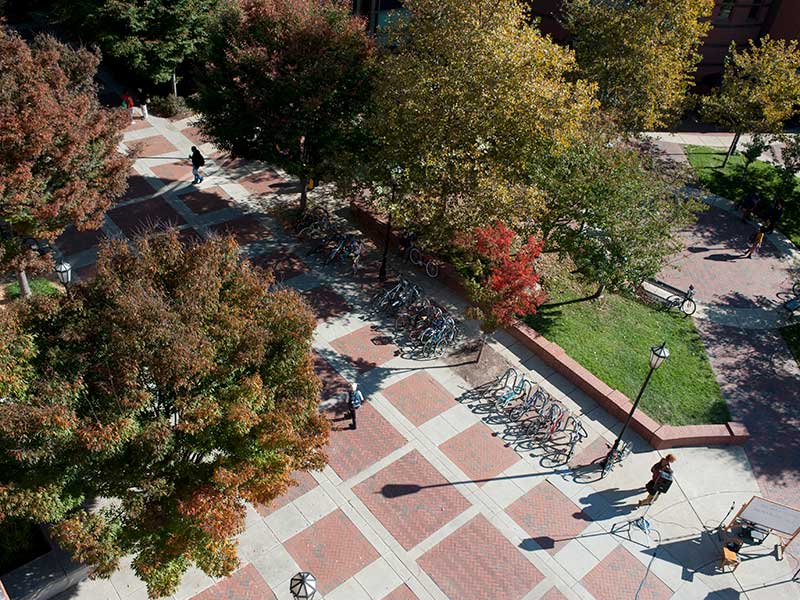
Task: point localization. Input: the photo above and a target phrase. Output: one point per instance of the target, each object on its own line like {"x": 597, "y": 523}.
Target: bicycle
{"x": 562, "y": 457}
{"x": 686, "y": 302}
{"x": 412, "y": 253}
{"x": 615, "y": 456}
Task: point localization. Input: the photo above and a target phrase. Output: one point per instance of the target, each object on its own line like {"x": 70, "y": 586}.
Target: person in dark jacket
{"x": 664, "y": 465}
{"x": 197, "y": 162}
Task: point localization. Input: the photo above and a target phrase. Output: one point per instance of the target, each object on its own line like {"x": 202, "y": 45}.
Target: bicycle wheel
{"x": 673, "y": 301}
{"x": 688, "y": 307}
{"x": 432, "y": 269}
{"x": 796, "y": 288}
{"x": 415, "y": 256}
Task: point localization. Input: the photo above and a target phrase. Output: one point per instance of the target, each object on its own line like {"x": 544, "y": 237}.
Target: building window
{"x": 726, "y": 9}
{"x": 755, "y": 7}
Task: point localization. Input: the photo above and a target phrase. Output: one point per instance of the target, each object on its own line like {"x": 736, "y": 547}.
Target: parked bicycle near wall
{"x": 412, "y": 253}
{"x": 685, "y": 303}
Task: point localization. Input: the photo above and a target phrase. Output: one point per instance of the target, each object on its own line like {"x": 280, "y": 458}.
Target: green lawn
{"x": 39, "y": 287}
{"x": 612, "y": 338}
{"x": 734, "y": 182}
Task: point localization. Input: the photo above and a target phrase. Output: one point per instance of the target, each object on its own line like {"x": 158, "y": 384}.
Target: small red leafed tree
{"x": 505, "y": 285}
{"x": 141, "y": 413}
{"x": 59, "y": 163}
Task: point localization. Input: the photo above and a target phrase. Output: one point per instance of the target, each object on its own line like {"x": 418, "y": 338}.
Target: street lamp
{"x": 658, "y": 354}
{"x": 64, "y": 272}
{"x": 303, "y": 586}
{"x": 395, "y": 174}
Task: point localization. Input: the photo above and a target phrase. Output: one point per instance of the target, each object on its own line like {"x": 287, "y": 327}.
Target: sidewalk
{"x": 422, "y": 500}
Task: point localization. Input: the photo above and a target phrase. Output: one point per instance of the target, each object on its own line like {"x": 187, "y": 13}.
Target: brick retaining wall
{"x": 616, "y": 403}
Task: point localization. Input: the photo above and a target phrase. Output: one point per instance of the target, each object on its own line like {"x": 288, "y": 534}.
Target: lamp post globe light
{"x": 64, "y": 272}
{"x": 658, "y": 355}
{"x": 303, "y": 586}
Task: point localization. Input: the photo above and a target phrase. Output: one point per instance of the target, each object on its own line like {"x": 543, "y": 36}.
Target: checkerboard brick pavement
{"x": 477, "y": 563}
{"x": 244, "y": 584}
{"x": 366, "y": 348}
{"x": 207, "y": 200}
{"x": 548, "y": 517}
{"x": 262, "y": 182}
{"x": 411, "y": 499}
{"x": 590, "y": 454}
{"x": 401, "y": 593}
{"x": 480, "y": 455}
{"x": 284, "y": 265}
{"x": 419, "y": 397}
{"x": 155, "y": 146}
{"x": 619, "y": 575}
{"x": 333, "y": 384}
{"x": 135, "y": 218}
{"x": 305, "y": 483}
{"x": 352, "y": 450}
{"x": 333, "y": 549}
{"x": 72, "y": 240}
{"x": 553, "y": 594}
{"x": 245, "y": 229}
{"x": 173, "y": 171}
{"x": 325, "y": 303}
{"x": 138, "y": 186}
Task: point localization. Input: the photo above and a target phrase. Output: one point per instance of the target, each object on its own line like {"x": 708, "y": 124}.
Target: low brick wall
{"x": 613, "y": 401}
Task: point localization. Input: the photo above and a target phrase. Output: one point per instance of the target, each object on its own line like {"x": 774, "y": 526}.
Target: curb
{"x": 617, "y": 404}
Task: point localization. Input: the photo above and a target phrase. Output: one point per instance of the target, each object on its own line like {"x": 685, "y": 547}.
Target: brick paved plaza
{"x": 421, "y": 501}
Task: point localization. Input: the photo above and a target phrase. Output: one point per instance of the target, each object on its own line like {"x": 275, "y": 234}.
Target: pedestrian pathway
{"x": 423, "y": 501}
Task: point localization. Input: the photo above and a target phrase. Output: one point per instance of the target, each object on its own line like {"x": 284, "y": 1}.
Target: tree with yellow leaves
{"x": 643, "y": 55}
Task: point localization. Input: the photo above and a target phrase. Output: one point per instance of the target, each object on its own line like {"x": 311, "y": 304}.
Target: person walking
{"x": 662, "y": 466}
{"x": 143, "y": 100}
{"x": 775, "y": 215}
{"x": 756, "y": 241}
{"x": 127, "y": 102}
{"x": 354, "y": 402}
{"x": 197, "y": 162}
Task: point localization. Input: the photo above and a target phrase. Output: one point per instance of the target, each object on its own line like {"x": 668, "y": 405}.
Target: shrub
{"x": 167, "y": 106}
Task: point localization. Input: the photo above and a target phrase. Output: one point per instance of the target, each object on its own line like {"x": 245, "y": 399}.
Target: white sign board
{"x": 772, "y": 516}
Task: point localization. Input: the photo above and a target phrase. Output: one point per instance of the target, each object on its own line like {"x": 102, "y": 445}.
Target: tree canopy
{"x": 760, "y": 88}
{"x": 643, "y": 55}
{"x": 468, "y": 94}
{"x": 59, "y": 163}
{"x": 151, "y": 37}
{"x": 287, "y": 82}
{"x": 140, "y": 413}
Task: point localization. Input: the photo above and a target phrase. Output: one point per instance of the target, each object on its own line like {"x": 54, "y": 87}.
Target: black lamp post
{"x": 303, "y": 586}
{"x": 658, "y": 354}
{"x": 396, "y": 171}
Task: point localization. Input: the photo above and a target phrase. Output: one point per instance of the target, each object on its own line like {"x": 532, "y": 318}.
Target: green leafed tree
{"x": 59, "y": 163}
{"x": 152, "y": 37}
{"x": 760, "y": 88}
{"x": 643, "y": 55}
{"x": 142, "y": 412}
{"x": 287, "y": 82}
{"x": 613, "y": 207}
{"x": 467, "y": 96}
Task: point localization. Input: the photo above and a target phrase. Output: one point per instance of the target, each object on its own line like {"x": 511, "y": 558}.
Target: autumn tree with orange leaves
{"x": 59, "y": 163}
{"x": 142, "y": 412}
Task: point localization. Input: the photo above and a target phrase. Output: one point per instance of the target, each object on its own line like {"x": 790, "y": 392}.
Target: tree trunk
{"x": 732, "y": 149}
{"x": 303, "y": 194}
{"x": 484, "y": 335}
{"x": 24, "y": 287}
{"x": 382, "y": 272}
{"x": 174, "y": 84}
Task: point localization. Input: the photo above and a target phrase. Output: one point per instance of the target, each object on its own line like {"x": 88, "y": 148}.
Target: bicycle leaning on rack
{"x": 616, "y": 456}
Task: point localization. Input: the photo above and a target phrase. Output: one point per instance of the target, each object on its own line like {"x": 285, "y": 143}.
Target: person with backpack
{"x": 354, "y": 401}
{"x": 660, "y": 480}
{"x": 197, "y": 162}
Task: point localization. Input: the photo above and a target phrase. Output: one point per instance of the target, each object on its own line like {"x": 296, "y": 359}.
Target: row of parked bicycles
{"x": 336, "y": 246}
{"x": 533, "y": 419}
{"x": 420, "y": 325}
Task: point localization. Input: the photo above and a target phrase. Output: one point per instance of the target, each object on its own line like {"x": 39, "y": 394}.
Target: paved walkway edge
{"x": 617, "y": 404}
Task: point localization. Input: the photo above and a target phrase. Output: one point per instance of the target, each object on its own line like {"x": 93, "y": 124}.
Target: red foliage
{"x": 59, "y": 163}
{"x": 510, "y": 286}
